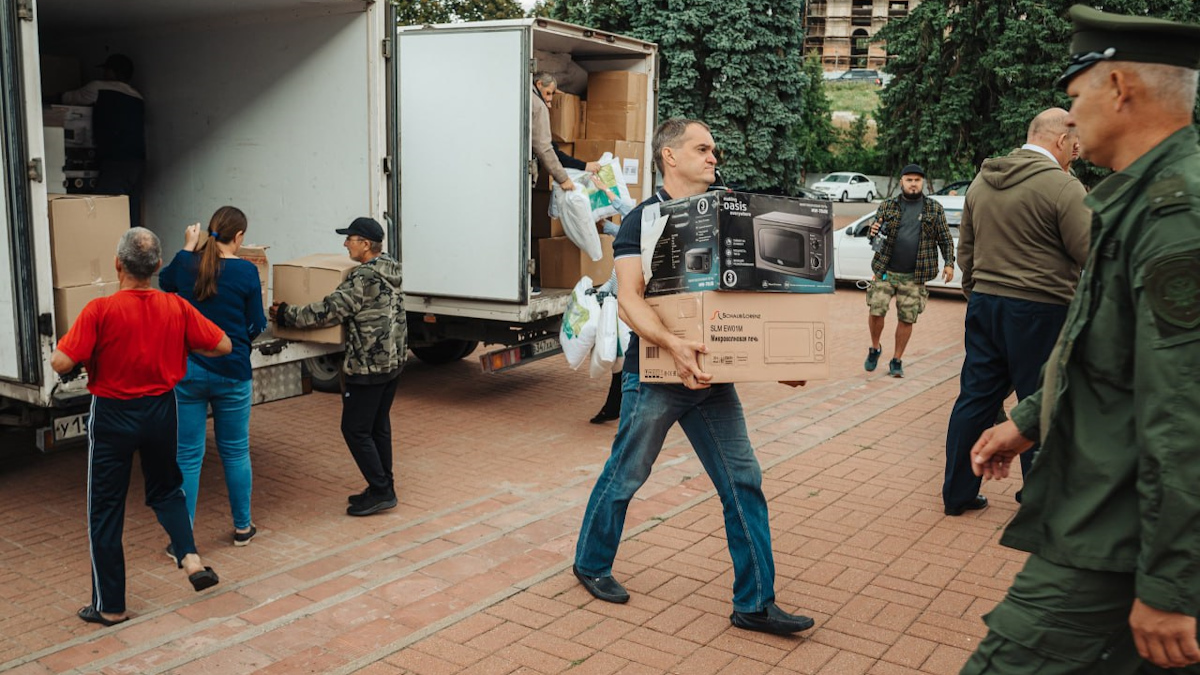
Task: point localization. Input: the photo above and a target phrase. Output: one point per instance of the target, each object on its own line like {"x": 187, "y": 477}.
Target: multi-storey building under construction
{"x": 840, "y": 31}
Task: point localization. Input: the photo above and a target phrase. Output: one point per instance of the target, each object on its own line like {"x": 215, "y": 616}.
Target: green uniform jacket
{"x": 369, "y": 302}
{"x": 935, "y": 235}
{"x": 1116, "y": 484}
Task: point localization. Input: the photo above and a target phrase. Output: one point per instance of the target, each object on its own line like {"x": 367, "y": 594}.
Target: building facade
{"x": 840, "y": 31}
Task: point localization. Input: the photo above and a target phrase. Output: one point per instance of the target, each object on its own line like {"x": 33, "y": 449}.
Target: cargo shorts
{"x": 911, "y": 296}
{"x": 1060, "y": 620}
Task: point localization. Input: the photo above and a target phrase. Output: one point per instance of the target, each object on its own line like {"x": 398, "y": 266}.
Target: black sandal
{"x": 204, "y": 579}
{"x": 92, "y": 615}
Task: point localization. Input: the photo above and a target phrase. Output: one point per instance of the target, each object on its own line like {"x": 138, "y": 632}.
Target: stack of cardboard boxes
{"x": 611, "y": 119}
{"x": 747, "y": 275}
{"x": 84, "y": 234}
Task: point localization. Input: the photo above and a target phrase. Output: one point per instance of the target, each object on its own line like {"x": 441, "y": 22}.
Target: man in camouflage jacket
{"x": 370, "y": 305}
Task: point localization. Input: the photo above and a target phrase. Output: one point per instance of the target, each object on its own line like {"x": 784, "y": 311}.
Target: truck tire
{"x": 445, "y": 351}
{"x": 325, "y": 372}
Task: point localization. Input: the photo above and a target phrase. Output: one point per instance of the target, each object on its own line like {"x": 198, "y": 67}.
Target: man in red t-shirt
{"x": 134, "y": 345}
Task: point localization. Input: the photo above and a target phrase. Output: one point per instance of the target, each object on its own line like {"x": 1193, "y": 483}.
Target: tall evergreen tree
{"x": 416, "y": 12}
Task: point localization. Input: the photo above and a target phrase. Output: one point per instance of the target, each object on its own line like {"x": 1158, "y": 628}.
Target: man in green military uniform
{"x": 370, "y": 304}
{"x": 1111, "y": 510}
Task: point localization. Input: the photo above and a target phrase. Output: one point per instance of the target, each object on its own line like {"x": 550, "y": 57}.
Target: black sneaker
{"x": 895, "y": 368}
{"x": 771, "y": 620}
{"x": 373, "y": 503}
{"x": 243, "y": 538}
{"x": 872, "y": 358}
{"x": 357, "y": 499}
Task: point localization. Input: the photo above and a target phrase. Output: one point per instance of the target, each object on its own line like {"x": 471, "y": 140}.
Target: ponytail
{"x": 225, "y": 224}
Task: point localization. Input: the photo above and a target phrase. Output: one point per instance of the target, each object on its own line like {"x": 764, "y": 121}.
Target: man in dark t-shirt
{"x": 710, "y": 414}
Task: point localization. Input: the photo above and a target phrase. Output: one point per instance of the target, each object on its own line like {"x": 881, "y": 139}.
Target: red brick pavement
{"x": 471, "y": 573}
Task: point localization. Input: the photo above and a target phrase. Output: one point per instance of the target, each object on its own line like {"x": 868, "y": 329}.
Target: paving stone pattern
{"x": 471, "y": 573}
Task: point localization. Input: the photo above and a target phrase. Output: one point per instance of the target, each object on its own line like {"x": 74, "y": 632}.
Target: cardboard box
{"x": 306, "y": 280}
{"x": 734, "y": 241}
{"x": 566, "y": 116}
{"x": 618, "y": 86}
{"x": 69, "y": 302}
{"x": 562, "y": 264}
{"x": 84, "y": 233}
{"x": 258, "y": 256}
{"x": 616, "y": 121}
{"x": 76, "y": 121}
{"x": 629, "y": 152}
{"x": 751, "y": 337}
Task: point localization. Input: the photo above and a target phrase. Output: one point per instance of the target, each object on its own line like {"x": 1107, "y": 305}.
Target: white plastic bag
{"x": 623, "y": 335}
{"x": 604, "y": 353}
{"x": 611, "y": 175}
{"x": 575, "y": 211}
{"x": 579, "y": 324}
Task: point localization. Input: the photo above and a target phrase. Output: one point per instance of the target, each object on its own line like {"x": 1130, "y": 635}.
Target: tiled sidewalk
{"x": 471, "y": 573}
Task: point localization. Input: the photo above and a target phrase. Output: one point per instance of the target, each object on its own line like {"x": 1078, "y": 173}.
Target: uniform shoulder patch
{"x": 1173, "y": 289}
{"x": 1168, "y": 194}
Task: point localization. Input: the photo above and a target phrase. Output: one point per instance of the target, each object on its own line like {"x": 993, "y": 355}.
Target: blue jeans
{"x": 1007, "y": 341}
{"x": 230, "y": 400}
{"x": 714, "y": 423}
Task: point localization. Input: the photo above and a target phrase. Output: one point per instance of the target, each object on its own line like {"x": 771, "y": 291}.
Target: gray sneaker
{"x": 872, "y": 358}
{"x": 895, "y": 368}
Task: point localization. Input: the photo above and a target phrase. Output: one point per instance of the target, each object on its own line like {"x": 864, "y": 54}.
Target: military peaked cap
{"x": 1101, "y": 36}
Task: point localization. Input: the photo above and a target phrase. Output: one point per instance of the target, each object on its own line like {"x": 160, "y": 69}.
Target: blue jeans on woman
{"x": 716, "y": 426}
{"x": 230, "y": 401}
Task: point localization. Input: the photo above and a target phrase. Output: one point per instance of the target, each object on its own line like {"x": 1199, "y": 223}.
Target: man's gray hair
{"x": 543, "y": 77}
{"x": 139, "y": 253}
{"x": 667, "y": 135}
{"x": 1174, "y": 87}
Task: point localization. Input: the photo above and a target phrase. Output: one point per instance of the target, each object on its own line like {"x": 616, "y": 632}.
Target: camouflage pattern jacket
{"x": 370, "y": 304}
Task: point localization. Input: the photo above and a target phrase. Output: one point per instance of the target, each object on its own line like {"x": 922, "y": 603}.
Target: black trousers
{"x": 124, "y": 177}
{"x": 117, "y": 429}
{"x": 367, "y": 428}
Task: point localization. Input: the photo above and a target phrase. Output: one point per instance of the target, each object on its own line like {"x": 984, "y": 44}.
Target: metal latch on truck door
{"x": 34, "y": 169}
{"x": 25, "y": 10}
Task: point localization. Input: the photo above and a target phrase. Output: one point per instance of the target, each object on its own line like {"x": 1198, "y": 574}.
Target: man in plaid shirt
{"x": 906, "y": 236}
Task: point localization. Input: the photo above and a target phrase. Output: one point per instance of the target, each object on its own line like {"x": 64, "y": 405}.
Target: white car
{"x": 852, "y": 252}
{"x": 843, "y": 186}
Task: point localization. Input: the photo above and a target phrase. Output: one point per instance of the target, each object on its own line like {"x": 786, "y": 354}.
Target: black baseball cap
{"x": 367, "y": 228}
{"x": 913, "y": 168}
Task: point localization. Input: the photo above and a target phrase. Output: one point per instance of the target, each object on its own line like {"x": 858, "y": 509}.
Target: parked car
{"x": 852, "y": 252}
{"x": 845, "y": 185}
{"x": 861, "y": 75}
{"x": 958, "y": 187}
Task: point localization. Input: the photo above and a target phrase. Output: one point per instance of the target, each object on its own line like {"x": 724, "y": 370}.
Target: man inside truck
{"x": 547, "y": 155}
{"x": 710, "y": 414}
{"x": 119, "y": 129}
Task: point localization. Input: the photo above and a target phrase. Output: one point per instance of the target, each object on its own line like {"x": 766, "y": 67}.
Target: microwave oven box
{"x": 76, "y": 121}
{"x": 561, "y": 264}
{"x": 751, "y": 337}
{"x": 84, "y": 233}
{"x": 69, "y": 302}
{"x": 736, "y": 241}
{"x": 306, "y": 280}
{"x": 566, "y": 117}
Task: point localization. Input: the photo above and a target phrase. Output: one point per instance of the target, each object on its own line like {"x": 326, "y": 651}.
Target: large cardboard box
{"x": 309, "y": 279}
{"x": 84, "y": 233}
{"x": 734, "y": 241}
{"x": 616, "y": 120}
{"x": 258, "y": 256}
{"x": 68, "y": 302}
{"x": 751, "y": 337}
{"x": 629, "y": 152}
{"x": 566, "y": 117}
{"x": 562, "y": 264}
{"x": 619, "y": 86}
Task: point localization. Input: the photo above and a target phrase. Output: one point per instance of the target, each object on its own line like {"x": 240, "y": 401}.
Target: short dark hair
{"x": 667, "y": 135}
{"x": 139, "y": 253}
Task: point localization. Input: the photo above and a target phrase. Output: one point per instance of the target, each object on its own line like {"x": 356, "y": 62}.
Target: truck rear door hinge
{"x": 25, "y": 10}
{"x": 532, "y": 167}
{"x": 387, "y": 165}
{"x": 34, "y": 170}
{"x": 45, "y": 324}
{"x": 533, "y": 66}
{"x": 387, "y": 48}
{"x": 531, "y": 266}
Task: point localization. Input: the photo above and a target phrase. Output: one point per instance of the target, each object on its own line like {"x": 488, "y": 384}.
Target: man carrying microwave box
{"x": 710, "y": 414}
{"x": 907, "y": 235}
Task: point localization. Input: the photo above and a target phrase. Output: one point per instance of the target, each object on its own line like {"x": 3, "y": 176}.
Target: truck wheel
{"x": 445, "y": 351}
{"x": 325, "y": 372}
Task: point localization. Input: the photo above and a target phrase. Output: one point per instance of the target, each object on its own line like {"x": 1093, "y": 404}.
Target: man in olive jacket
{"x": 1111, "y": 511}
{"x": 370, "y": 304}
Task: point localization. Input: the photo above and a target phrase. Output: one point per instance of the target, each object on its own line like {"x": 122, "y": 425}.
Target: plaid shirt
{"x": 935, "y": 234}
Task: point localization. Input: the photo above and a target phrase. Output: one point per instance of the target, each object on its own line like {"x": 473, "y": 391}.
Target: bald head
{"x": 1049, "y": 130}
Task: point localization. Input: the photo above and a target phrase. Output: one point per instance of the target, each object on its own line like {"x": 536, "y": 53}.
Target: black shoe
{"x": 373, "y": 503}
{"x": 980, "y": 502}
{"x": 358, "y": 498}
{"x": 771, "y": 620}
{"x": 606, "y": 588}
{"x": 603, "y": 416}
{"x": 243, "y": 538}
{"x": 1018, "y": 496}
{"x": 872, "y": 358}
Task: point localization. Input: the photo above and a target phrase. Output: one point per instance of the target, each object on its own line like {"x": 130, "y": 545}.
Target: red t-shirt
{"x": 135, "y": 342}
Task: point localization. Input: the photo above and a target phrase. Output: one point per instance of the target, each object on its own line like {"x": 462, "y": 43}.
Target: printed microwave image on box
{"x": 698, "y": 261}
{"x": 793, "y": 244}
{"x": 794, "y": 342}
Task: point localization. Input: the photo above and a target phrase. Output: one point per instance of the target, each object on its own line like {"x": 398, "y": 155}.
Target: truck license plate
{"x": 72, "y": 426}
{"x": 543, "y": 346}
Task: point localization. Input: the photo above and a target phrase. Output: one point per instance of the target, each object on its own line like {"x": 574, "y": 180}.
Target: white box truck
{"x": 304, "y": 114}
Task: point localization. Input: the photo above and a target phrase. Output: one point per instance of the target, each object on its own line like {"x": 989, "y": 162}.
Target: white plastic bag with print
{"x": 579, "y": 324}
{"x": 575, "y": 211}
{"x": 605, "y": 351}
{"x": 612, "y": 177}
{"x": 623, "y": 333}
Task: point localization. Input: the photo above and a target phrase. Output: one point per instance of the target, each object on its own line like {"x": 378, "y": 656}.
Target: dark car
{"x": 860, "y": 75}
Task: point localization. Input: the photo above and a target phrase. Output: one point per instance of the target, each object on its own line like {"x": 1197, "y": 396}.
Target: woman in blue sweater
{"x": 227, "y": 291}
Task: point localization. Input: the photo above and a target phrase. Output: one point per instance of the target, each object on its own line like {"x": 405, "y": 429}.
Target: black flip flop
{"x": 204, "y": 579}
{"x": 91, "y": 615}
